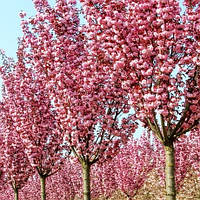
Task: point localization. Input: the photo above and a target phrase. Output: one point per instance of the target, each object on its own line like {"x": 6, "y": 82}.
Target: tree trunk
{"x": 86, "y": 180}
{"x": 43, "y": 189}
{"x": 170, "y": 173}
{"x": 16, "y": 194}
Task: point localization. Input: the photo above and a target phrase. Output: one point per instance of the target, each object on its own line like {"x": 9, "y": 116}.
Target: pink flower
{"x": 22, "y": 14}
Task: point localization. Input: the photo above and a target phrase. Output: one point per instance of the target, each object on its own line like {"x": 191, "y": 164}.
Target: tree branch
{"x": 181, "y": 121}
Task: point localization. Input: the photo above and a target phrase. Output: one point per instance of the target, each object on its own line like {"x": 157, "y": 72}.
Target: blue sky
{"x": 10, "y": 23}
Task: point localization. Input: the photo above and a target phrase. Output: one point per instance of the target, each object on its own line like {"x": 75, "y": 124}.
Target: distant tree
{"x": 133, "y": 164}
{"x": 67, "y": 183}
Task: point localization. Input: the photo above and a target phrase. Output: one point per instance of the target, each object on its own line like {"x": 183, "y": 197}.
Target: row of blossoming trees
{"x": 78, "y": 92}
{"x": 135, "y": 172}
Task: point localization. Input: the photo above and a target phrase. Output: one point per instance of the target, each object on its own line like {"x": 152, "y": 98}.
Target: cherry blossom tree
{"x": 30, "y": 191}
{"x": 154, "y": 52}
{"x": 91, "y": 110}
{"x": 29, "y": 111}
{"x": 43, "y": 142}
{"x": 16, "y": 166}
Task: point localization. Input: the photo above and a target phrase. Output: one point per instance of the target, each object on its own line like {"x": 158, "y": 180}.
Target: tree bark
{"x": 43, "y": 189}
{"x": 170, "y": 173}
{"x": 16, "y": 194}
{"x": 86, "y": 180}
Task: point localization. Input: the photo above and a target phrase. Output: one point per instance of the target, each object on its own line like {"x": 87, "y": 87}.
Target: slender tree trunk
{"x": 86, "y": 180}
{"x": 16, "y": 194}
{"x": 43, "y": 189}
{"x": 170, "y": 173}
